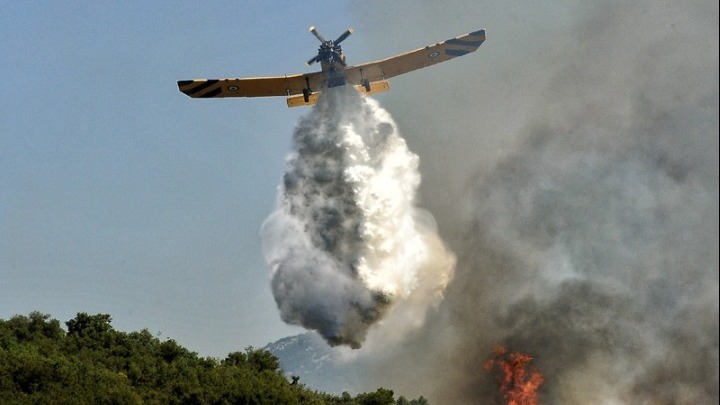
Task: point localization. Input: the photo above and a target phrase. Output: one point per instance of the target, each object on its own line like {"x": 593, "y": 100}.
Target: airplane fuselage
{"x": 332, "y": 63}
{"x": 334, "y": 74}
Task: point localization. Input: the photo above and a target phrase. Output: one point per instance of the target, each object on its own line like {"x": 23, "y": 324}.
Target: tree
{"x": 235, "y": 359}
{"x": 85, "y": 325}
{"x": 262, "y": 360}
{"x": 420, "y": 401}
{"x": 170, "y": 351}
{"x": 382, "y": 396}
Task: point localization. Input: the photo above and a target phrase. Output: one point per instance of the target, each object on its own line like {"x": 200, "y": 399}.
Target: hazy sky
{"x": 119, "y": 194}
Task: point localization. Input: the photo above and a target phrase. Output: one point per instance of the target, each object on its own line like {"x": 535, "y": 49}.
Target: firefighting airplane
{"x": 303, "y": 89}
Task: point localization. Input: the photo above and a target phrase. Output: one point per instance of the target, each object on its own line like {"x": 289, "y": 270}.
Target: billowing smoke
{"x": 601, "y": 265}
{"x": 347, "y": 244}
{"x": 586, "y": 136}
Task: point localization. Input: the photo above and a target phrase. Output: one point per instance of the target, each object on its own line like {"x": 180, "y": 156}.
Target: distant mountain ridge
{"x": 316, "y": 363}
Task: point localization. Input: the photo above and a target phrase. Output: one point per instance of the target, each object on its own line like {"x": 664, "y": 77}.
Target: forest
{"x": 89, "y": 362}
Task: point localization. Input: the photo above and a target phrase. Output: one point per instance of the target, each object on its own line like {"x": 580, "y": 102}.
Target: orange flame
{"x": 519, "y": 382}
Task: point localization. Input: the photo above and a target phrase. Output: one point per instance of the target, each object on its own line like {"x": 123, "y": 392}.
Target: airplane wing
{"x": 417, "y": 59}
{"x": 251, "y": 87}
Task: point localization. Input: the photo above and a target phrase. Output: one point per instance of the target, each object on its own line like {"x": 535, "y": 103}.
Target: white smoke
{"x": 347, "y": 243}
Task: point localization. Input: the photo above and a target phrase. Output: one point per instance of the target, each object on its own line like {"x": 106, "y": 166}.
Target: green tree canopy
{"x": 93, "y": 363}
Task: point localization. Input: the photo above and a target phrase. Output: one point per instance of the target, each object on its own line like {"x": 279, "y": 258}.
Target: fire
{"x": 519, "y": 381}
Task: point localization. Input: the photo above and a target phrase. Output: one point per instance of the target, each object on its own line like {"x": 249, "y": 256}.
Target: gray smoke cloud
{"x": 347, "y": 245}
{"x": 577, "y": 182}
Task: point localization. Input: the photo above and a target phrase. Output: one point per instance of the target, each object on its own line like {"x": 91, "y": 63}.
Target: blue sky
{"x": 120, "y": 195}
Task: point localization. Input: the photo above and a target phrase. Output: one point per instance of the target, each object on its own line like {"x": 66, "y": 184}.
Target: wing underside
{"x": 417, "y": 59}
{"x": 251, "y": 87}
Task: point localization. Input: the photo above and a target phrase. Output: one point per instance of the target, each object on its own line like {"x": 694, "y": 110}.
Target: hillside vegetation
{"x": 92, "y": 363}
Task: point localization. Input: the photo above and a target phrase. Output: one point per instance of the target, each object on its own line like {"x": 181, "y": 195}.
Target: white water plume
{"x": 347, "y": 243}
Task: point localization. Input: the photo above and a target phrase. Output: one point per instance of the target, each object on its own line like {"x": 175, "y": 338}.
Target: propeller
{"x": 314, "y": 59}
{"x": 329, "y": 50}
{"x": 343, "y": 36}
{"x": 317, "y": 34}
